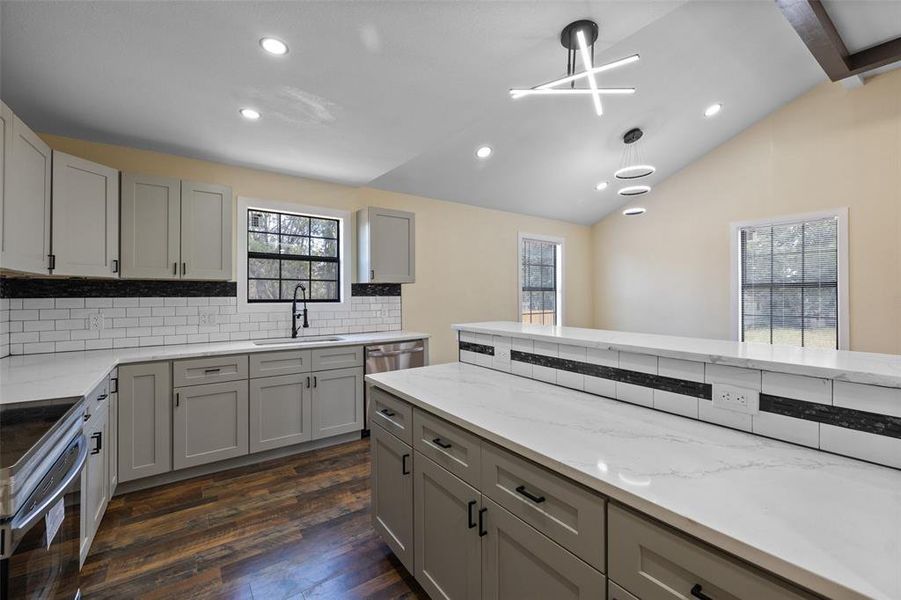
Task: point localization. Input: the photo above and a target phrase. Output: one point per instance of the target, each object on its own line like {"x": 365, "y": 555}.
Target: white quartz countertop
{"x": 829, "y": 523}
{"x": 67, "y": 374}
{"x": 842, "y": 365}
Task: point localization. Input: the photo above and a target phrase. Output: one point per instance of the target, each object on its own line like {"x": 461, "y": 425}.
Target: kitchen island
{"x": 826, "y": 523}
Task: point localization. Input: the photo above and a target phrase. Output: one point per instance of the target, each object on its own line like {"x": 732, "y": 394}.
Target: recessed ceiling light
{"x": 249, "y": 114}
{"x": 713, "y": 109}
{"x": 484, "y": 152}
{"x": 274, "y": 46}
{"x": 634, "y": 211}
{"x": 634, "y": 190}
{"x": 601, "y": 186}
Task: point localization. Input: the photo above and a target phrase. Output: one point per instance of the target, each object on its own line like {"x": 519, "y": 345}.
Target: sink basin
{"x": 298, "y": 341}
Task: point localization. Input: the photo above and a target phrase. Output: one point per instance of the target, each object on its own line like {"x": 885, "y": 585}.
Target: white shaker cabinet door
{"x": 151, "y": 225}
{"x": 206, "y": 231}
{"x": 386, "y": 241}
{"x": 85, "y": 218}
{"x": 26, "y": 200}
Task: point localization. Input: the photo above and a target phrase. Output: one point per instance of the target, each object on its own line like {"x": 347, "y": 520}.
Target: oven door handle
{"x": 25, "y": 521}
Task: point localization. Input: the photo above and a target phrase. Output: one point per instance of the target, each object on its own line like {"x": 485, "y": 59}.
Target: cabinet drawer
{"x": 568, "y": 514}
{"x": 288, "y": 362}
{"x": 343, "y": 357}
{"x": 393, "y": 414}
{"x": 456, "y": 450}
{"x": 656, "y": 563}
{"x": 196, "y": 371}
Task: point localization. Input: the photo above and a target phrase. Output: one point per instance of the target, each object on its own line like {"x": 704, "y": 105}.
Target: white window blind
{"x": 789, "y": 283}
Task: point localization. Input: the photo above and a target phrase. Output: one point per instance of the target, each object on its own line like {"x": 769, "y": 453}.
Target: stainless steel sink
{"x": 298, "y": 341}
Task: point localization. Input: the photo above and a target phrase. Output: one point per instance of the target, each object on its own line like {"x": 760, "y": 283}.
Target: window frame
{"x": 559, "y": 272}
{"x": 843, "y": 312}
{"x": 345, "y": 242}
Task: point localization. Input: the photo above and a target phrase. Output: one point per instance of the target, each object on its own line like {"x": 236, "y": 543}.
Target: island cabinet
{"x": 145, "y": 420}
{"x": 485, "y": 524}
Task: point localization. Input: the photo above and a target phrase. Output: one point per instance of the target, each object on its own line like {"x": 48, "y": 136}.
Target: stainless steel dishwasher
{"x": 391, "y": 357}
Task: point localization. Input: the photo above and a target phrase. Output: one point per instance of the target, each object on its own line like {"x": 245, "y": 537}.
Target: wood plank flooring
{"x": 292, "y": 528}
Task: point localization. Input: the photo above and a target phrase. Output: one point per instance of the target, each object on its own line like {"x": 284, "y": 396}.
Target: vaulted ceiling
{"x": 398, "y": 95}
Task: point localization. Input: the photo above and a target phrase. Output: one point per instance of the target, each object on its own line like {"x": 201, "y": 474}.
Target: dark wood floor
{"x": 293, "y": 528}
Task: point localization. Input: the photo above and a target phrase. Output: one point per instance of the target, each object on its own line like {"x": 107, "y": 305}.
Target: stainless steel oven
{"x": 40, "y": 511}
{"x": 391, "y": 357}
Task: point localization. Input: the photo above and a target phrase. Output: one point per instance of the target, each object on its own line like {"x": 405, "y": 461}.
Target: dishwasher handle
{"x": 390, "y": 353}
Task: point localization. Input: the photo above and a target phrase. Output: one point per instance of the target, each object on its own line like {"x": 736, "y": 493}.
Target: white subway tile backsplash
{"x": 799, "y": 387}
{"x": 520, "y": 368}
{"x": 737, "y": 376}
{"x": 501, "y": 359}
{"x": 728, "y": 418}
{"x": 547, "y": 374}
{"x": 869, "y": 398}
{"x": 635, "y": 394}
{"x": 859, "y": 444}
{"x": 678, "y": 404}
{"x": 688, "y": 370}
{"x": 642, "y": 363}
{"x": 63, "y": 324}
{"x": 569, "y": 379}
{"x": 789, "y": 429}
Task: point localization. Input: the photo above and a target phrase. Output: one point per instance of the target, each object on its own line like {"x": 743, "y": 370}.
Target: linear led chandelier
{"x": 576, "y": 38}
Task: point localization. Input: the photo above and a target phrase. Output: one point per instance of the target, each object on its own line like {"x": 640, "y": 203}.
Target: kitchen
{"x": 623, "y": 323}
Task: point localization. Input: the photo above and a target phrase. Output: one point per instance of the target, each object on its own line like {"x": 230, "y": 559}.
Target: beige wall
{"x": 465, "y": 256}
{"x": 668, "y": 271}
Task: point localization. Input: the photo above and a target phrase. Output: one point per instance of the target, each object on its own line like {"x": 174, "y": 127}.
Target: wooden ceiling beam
{"x": 816, "y": 29}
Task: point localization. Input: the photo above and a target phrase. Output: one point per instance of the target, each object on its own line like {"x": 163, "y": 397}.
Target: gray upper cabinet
{"x": 518, "y": 562}
{"x": 392, "y": 493}
{"x": 26, "y": 198}
{"x": 280, "y": 411}
{"x": 447, "y": 545}
{"x": 145, "y": 420}
{"x": 386, "y": 241}
{"x": 151, "y": 225}
{"x": 337, "y": 402}
{"x": 85, "y": 240}
{"x": 210, "y": 423}
{"x": 175, "y": 229}
{"x": 206, "y": 231}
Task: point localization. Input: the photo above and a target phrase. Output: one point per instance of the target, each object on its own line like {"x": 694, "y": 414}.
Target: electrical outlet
{"x": 384, "y": 313}
{"x": 95, "y": 322}
{"x": 208, "y": 319}
{"x": 735, "y": 398}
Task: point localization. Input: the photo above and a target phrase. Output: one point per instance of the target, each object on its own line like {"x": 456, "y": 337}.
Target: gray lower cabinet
{"x": 145, "y": 420}
{"x": 519, "y": 563}
{"x": 113, "y": 442}
{"x": 447, "y": 545}
{"x": 392, "y": 493}
{"x": 209, "y": 423}
{"x": 280, "y": 411}
{"x": 95, "y": 488}
{"x": 654, "y": 562}
{"x": 337, "y": 402}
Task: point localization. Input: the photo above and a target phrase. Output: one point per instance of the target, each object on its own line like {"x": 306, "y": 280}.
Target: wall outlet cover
{"x": 95, "y": 322}
{"x": 737, "y": 399}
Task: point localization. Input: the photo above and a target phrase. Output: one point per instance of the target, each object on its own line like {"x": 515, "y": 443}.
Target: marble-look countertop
{"x": 67, "y": 374}
{"x": 829, "y": 523}
{"x": 841, "y": 365}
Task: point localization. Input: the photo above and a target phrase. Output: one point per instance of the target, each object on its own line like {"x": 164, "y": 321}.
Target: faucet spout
{"x": 305, "y": 324}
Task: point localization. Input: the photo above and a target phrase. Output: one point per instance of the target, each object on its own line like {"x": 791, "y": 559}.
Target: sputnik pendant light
{"x": 576, "y": 38}
{"x": 632, "y": 166}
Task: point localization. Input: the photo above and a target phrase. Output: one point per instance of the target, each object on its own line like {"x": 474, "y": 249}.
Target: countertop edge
{"x": 850, "y": 376}
{"x": 121, "y": 356}
{"x": 763, "y": 560}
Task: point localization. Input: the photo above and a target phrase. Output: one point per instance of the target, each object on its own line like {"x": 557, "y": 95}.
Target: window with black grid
{"x": 789, "y": 283}
{"x": 539, "y": 282}
{"x": 285, "y": 249}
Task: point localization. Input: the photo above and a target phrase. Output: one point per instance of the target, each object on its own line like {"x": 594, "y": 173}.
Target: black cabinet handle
{"x": 184, "y": 268}
{"x": 403, "y": 464}
{"x": 697, "y": 593}
{"x": 524, "y": 492}
{"x": 212, "y": 370}
{"x": 482, "y": 531}
{"x": 441, "y": 443}
{"x": 101, "y": 397}
{"x": 175, "y": 268}
{"x": 114, "y": 385}
{"x": 308, "y": 382}
{"x": 115, "y": 265}
{"x": 177, "y": 399}
{"x": 97, "y": 437}
{"x": 87, "y": 416}
{"x": 387, "y": 412}
{"x": 469, "y": 519}
{"x": 315, "y": 381}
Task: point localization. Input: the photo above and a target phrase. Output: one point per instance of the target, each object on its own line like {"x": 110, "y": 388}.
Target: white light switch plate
{"x": 737, "y": 399}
